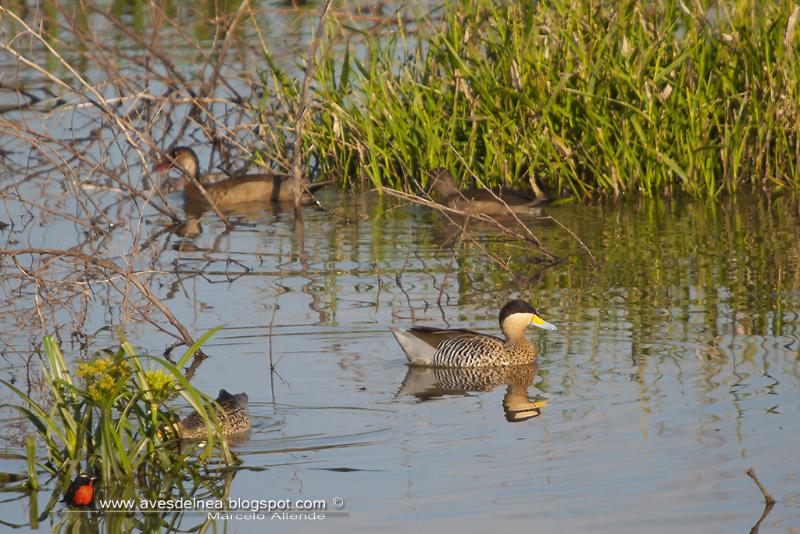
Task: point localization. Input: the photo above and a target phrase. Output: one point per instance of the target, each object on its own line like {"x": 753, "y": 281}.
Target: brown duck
{"x": 232, "y": 412}
{"x": 481, "y": 200}
{"x": 265, "y": 187}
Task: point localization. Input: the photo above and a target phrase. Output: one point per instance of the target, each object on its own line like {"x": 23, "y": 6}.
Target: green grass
{"x": 599, "y": 97}
{"x": 108, "y": 417}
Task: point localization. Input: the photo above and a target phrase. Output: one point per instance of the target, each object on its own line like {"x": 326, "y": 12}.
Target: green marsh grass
{"x": 110, "y": 417}
{"x": 584, "y": 97}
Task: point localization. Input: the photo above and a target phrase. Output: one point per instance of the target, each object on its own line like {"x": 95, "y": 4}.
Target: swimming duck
{"x": 435, "y": 347}
{"x": 231, "y": 191}
{"x": 481, "y": 200}
{"x": 233, "y": 416}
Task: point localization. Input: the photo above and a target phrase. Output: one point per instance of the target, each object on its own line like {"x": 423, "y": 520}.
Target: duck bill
{"x": 541, "y": 323}
{"x": 164, "y": 165}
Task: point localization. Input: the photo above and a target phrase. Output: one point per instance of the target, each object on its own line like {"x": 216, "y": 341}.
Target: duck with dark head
{"x": 435, "y": 347}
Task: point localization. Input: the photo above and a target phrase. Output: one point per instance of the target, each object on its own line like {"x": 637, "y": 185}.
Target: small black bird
{"x": 81, "y": 491}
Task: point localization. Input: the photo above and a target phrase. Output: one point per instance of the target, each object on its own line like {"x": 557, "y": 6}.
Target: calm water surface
{"x": 674, "y": 369}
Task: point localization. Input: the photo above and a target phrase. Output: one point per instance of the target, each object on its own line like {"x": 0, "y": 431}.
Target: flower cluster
{"x": 162, "y": 385}
{"x": 103, "y": 377}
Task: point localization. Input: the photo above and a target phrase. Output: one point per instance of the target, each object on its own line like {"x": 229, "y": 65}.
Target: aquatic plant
{"x": 570, "y": 96}
{"x": 110, "y": 414}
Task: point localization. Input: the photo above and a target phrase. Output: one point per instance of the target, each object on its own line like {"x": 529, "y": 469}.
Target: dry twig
{"x": 106, "y": 264}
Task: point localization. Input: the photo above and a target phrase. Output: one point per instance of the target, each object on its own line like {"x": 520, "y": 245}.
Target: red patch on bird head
{"x": 164, "y": 165}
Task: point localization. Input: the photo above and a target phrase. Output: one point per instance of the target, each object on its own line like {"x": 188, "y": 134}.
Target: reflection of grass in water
{"x": 110, "y": 414}
{"x": 704, "y": 290}
{"x": 678, "y": 259}
{"x": 659, "y": 262}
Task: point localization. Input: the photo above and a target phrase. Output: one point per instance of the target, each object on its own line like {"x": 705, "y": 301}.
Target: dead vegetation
{"x": 91, "y": 97}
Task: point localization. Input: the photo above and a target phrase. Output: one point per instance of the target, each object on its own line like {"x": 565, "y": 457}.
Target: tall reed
{"x": 582, "y": 96}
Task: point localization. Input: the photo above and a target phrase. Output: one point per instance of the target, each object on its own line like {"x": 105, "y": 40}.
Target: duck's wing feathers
{"x": 470, "y": 351}
{"x": 252, "y": 188}
{"x": 435, "y": 336}
{"x": 485, "y": 201}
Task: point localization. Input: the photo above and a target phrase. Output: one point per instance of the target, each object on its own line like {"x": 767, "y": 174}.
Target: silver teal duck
{"x": 232, "y": 413}
{"x": 434, "y": 347}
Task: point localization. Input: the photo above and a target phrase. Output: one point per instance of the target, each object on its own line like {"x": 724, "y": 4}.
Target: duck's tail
{"x": 417, "y": 351}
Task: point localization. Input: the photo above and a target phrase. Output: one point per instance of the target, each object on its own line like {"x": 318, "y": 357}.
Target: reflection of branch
{"x": 399, "y": 275}
{"x": 93, "y": 97}
{"x": 272, "y": 370}
{"x": 768, "y": 499}
{"x": 86, "y": 163}
{"x": 269, "y": 335}
{"x": 576, "y": 238}
{"x": 38, "y": 138}
{"x": 111, "y": 266}
{"x": 767, "y": 509}
{"x": 91, "y": 94}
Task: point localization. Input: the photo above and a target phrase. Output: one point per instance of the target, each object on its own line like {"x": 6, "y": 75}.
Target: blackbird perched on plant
{"x": 81, "y": 491}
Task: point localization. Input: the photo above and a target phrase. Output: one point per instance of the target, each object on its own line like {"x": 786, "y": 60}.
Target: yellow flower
{"x": 162, "y": 384}
{"x": 102, "y": 377}
{"x": 83, "y": 370}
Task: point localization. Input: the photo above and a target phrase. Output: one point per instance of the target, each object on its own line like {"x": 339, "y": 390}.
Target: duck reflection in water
{"x": 426, "y": 383}
{"x": 243, "y": 214}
